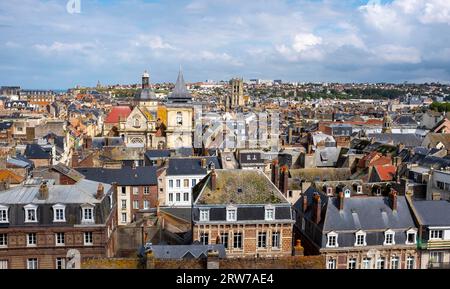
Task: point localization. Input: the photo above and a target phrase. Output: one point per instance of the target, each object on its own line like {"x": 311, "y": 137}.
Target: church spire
{"x": 180, "y": 92}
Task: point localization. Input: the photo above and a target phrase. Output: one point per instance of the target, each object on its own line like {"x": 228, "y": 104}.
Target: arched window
{"x": 136, "y": 122}
{"x": 179, "y": 118}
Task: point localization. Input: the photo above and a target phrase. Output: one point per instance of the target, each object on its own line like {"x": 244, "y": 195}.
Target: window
{"x": 136, "y": 123}
{"x": 262, "y": 240}
{"x": 179, "y": 118}
{"x": 436, "y": 257}
{"x": 332, "y": 240}
{"x": 136, "y": 205}
{"x": 366, "y": 264}
{"x": 194, "y": 182}
{"x": 32, "y": 264}
{"x": 146, "y": 190}
{"x": 31, "y": 239}
{"x": 59, "y": 213}
{"x": 30, "y": 214}
{"x": 389, "y": 237}
{"x": 394, "y": 262}
{"x": 88, "y": 214}
{"x": 276, "y": 240}
{"x": 204, "y": 238}
{"x": 59, "y": 237}
{"x": 135, "y": 191}
{"x": 270, "y": 214}
{"x": 178, "y": 197}
{"x": 124, "y": 204}
{"x": 124, "y": 190}
{"x": 411, "y": 237}
{"x": 204, "y": 215}
{"x": 178, "y": 183}
{"x": 331, "y": 263}
{"x": 3, "y": 240}
{"x": 231, "y": 214}
{"x": 224, "y": 240}
{"x": 237, "y": 241}
{"x": 4, "y": 214}
{"x": 88, "y": 240}
{"x": 171, "y": 184}
{"x": 410, "y": 262}
{"x": 124, "y": 217}
{"x": 360, "y": 239}
{"x": 359, "y": 190}
{"x": 186, "y": 183}
{"x": 352, "y": 263}
{"x": 186, "y": 197}
{"x": 171, "y": 197}
{"x": 3, "y": 264}
{"x": 436, "y": 234}
{"x": 380, "y": 263}
{"x": 60, "y": 263}
{"x": 146, "y": 205}
{"x": 347, "y": 193}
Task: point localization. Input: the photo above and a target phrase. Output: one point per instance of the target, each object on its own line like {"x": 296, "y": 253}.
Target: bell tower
{"x": 145, "y": 80}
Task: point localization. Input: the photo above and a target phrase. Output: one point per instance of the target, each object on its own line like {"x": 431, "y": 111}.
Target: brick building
{"x": 245, "y": 211}
{"x": 40, "y": 222}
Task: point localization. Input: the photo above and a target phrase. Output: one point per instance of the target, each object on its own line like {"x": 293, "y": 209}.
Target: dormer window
{"x": 30, "y": 214}
{"x": 359, "y": 190}
{"x": 87, "y": 214}
{"x": 360, "y": 238}
{"x": 59, "y": 213}
{"x": 389, "y": 236}
{"x": 347, "y": 193}
{"x": 411, "y": 236}
{"x": 269, "y": 213}
{"x": 204, "y": 215}
{"x": 332, "y": 240}
{"x": 4, "y": 215}
{"x": 231, "y": 214}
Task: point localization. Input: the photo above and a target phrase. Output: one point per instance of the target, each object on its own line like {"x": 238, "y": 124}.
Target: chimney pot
{"x": 317, "y": 208}
{"x": 393, "y": 199}
{"x": 305, "y": 203}
{"x": 341, "y": 198}
{"x": 100, "y": 192}
{"x": 43, "y": 191}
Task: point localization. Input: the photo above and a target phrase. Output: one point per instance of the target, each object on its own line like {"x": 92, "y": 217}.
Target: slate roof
{"x": 190, "y": 166}
{"x": 181, "y": 213}
{"x": 5, "y": 125}
{"x": 151, "y": 154}
{"x": 405, "y": 120}
{"x": 327, "y": 157}
{"x": 409, "y": 140}
{"x": 35, "y": 151}
{"x": 178, "y": 252}
{"x": 180, "y": 92}
{"x": 433, "y": 213}
{"x": 127, "y": 176}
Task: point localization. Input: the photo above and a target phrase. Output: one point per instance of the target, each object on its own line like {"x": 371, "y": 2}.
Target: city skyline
{"x": 46, "y": 47}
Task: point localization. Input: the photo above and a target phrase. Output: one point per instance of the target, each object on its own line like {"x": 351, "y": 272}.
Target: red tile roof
{"x": 116, "y": 113}
{"x": 386, "y": 173}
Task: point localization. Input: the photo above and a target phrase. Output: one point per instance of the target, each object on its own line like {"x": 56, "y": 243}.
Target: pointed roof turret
{"x": 180, "y": 93}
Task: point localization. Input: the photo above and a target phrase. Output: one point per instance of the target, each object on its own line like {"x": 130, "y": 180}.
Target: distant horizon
{"x": 45, "y": 44}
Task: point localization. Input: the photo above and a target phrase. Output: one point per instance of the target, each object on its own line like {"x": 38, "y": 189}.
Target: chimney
{"x": 340, "y": 200}
{"x": 88, "y": 142}
{"x": 284, "y": 181}
{"x": 43, "y": 191}
{"x": 275, "y": 172}
{"x": 317, "y": 206}
{"x": 213, "y": 180}
{"x": 100, "y": 192}
{"x": 204, "y": 163}
{"x": 393, "y": 199}
{"x": 305, "y": 203}
{"x": 298, "y": 249}
{"x": 114, "y": 189}
{"x": 75, "y": 159}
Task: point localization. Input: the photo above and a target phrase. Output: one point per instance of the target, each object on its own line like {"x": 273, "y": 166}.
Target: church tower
{"x": 145, "y": 80}
{"x": 387, "y": 123}
{"x": 236, "y": 98}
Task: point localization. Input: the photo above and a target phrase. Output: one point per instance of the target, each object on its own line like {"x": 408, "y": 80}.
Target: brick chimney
{"x": 100, "y": 192}
{"x": 305, "y": 203}
{"x": 275, "y": 172}
{"x": 213, "y": 180}
{"x": 75, "y": 162}
{"x": 317, "y": 207}
{"x": 393, "y": 199}
{"x": 284, "y": 181}
{"x": 340, "y": 200}
{"x": 43, "y": 191}
{"x": 298, "y": 249}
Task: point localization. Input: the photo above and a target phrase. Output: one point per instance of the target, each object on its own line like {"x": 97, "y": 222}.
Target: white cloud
{"x": 60, "y": 47}
{"x": 398, "y": 54}
{"x": 305, "y": 41}
{"x": 152, "y": 42}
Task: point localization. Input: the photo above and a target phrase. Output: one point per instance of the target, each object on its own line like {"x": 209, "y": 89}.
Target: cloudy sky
{"x": 42, "y": 45}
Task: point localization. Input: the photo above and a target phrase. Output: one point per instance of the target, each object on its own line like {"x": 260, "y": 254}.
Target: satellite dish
{"x": 73, "y": 259}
